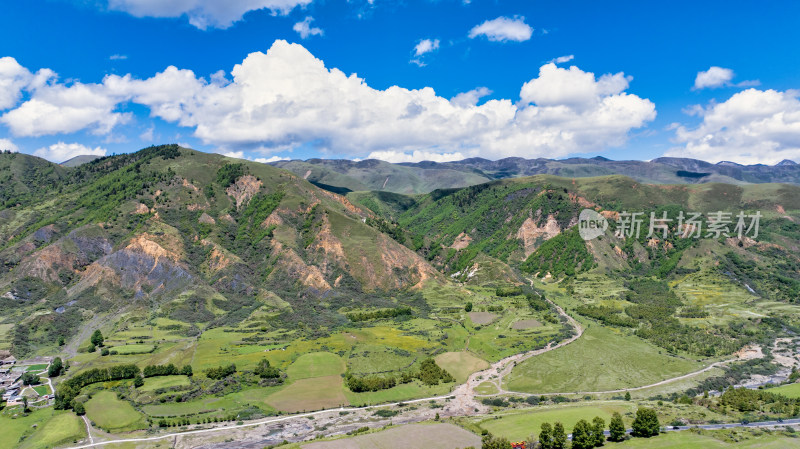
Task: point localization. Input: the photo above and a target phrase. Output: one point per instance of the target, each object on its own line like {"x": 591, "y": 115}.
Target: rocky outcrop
{"x": 532, "y": 234}
{"x": 243, "y": 189}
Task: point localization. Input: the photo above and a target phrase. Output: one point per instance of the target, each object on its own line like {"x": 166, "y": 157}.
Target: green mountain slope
{"x": 197, "y": 237}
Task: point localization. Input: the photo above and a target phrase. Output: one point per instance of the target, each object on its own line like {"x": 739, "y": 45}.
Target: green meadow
{"x": 113, "y": 414}
{"x": 602, "y": 359}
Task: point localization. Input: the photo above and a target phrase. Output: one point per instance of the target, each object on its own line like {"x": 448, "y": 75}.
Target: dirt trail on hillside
{"x": 465, "y": 402}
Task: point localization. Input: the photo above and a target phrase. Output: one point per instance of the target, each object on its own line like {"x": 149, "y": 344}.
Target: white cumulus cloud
{"x": 503, "y": 29}
{"x": 263, "y": 160}
{"x": 58, "y": 108}
{"x": 713, "y": 77}
{"x": 426, "y": 46}
{"x": 8, "y": 145}
{"x": 416, "y": 156}
{"x": 204, "y": 13}
{"x": 13, "y": 79}
{"x": 267, "y": 160}
{"x": 471, "y": 97}
{"x": 716, "y": 77}
{"x": 304, "y": 28}
{"x": 286, "y": 97}
{"x": 422, "y": 48}
{"x": 753, "y": 126}
{"x": 563, "y": 59}
{"x": 60, "y": 152}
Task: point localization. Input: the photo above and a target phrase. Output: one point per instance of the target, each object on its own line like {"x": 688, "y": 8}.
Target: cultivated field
{"x": 729, "y": 439}
{"x": 482, "y": 318}
{"x": 113, "y": 414}
{"x": 414, "y": 436}
{"x": 154, "y": 383}
{"x": 602, "y": 359}
{"x": 790, "y": 391}
{"x": 525, "y": 324}
{"x": 40, "y": 429}
{"x": 460, "y": 364}
{"x": 310, "y": 394}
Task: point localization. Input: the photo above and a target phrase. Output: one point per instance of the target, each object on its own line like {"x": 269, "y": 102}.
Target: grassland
{"x": 519, "y": 424}
{"x": 399, "y": 393}
{"x": 316, "y": 364}
{"x": 214, "y": 406}
{"x": 427, "y": 436}
{"x": 461, "y": 364}
{"x": 155, "y": 383}
{"x": 602, "y": 359}
{"x": 62, "y": 428}
{"x": 133, "y": 349}
{"x": 42, "y": 390}
{"x": 112, "y": 414}
{"x": 40, "y": 429}
{"x": 36, "y": 368}
{"x": 310, "y": 394}
{"x": 5, "y": 335}
{"x": 790, "y": 390}
{"x": 729, "y": 439}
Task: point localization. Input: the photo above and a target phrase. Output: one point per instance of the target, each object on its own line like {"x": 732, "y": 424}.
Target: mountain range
{"x": 205, "y": 240}
{"x": 422, "y": 177}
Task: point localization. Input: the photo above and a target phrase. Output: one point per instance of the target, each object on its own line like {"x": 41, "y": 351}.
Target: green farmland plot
{"x": 113, "y": 414}
{"x": 43, "y": 428}
{"x": 602, "y": 359}
{"x": 155, "y": 383}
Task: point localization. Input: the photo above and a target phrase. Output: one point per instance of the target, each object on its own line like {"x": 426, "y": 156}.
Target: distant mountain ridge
{"x": 423, "y": 177}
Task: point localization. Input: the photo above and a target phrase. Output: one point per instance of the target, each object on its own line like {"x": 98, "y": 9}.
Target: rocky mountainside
{"x": 531, "y": 224}
{"x": 189, "y": 235}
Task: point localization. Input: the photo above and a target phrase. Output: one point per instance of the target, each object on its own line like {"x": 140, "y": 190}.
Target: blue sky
{"x": 714, "y": 80}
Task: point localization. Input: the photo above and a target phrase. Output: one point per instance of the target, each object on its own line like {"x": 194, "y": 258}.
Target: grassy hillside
{"x": 202, "y": 239}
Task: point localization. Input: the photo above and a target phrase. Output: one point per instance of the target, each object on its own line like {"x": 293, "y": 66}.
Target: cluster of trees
{"x": 693, "y": 312}
{"x": 745, "y": 400}
{"x": 606, "y": 315}
{"x": 655, "y": 306}
{"x": 258, "y": 209}
{"x": 369, "y": 383}
{"x": 508, "y": 291}
{"x": 393, "y": 230}
{"x": 585, "y": 434}
{"x": 30, "y": 379}
{"x": 429, "y": 374}
{"x": 69, "y": 389}
{"x": 266, "y": 371}
{"x": 563, "y": 255}
{"x": 536, "y": 302}
{"x": 185, "y": 421}
{"x": 96, "y": 341}
{"x": 56, "y": 368}
{"x": 166, "y": 370}
{"x": 221, "y": 372}
{"x": 379, "y": 314}
{"x": 781, "y": 281}
{"x": 229, "y": 173}
{"x": 646, "y": 424}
